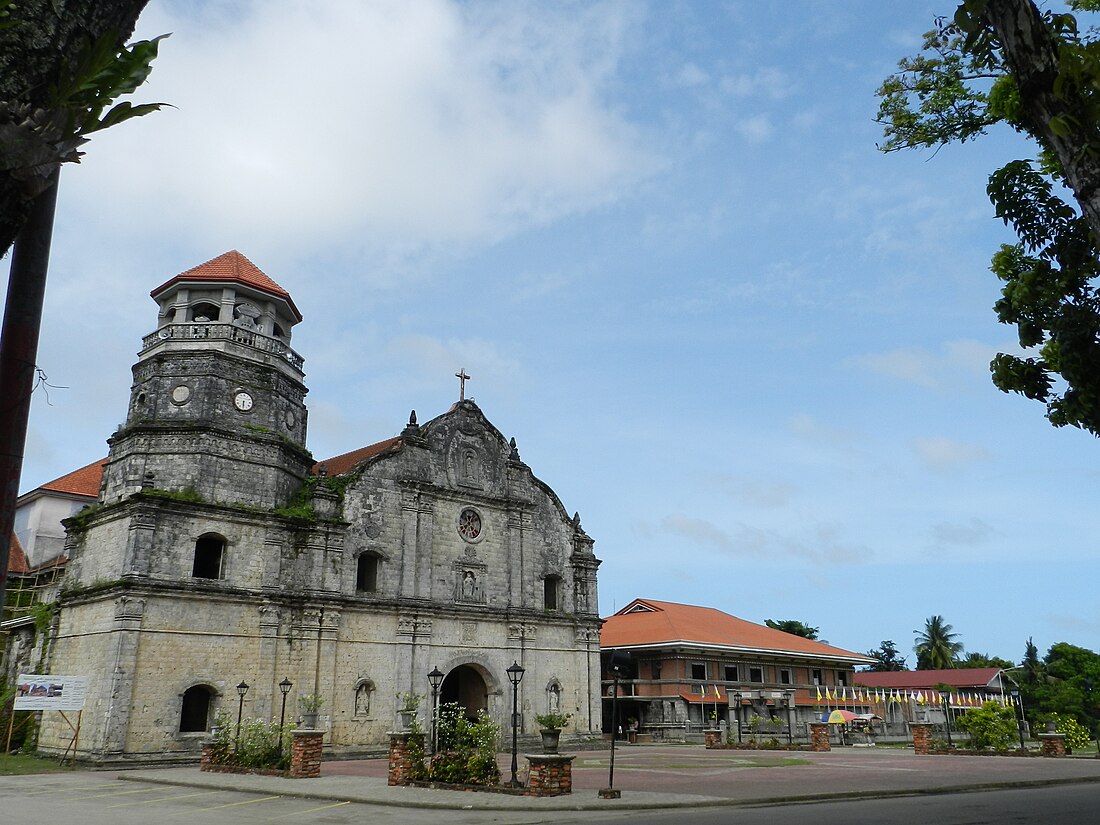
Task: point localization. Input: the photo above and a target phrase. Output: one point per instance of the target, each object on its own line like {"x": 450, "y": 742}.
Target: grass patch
{"x": 22, "y": 764}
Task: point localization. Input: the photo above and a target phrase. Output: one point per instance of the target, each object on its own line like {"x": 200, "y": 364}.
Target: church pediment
{"x": 474, "y": 453}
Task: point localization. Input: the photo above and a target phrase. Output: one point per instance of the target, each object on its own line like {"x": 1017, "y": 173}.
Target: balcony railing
{"x": 213, "y": 331}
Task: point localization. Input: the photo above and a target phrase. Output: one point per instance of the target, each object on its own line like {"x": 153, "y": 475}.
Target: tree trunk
{"x": 1031, "y": 53}
{"x": 19, "y": 355}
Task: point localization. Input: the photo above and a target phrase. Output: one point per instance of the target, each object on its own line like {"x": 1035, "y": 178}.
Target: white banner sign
{"x": 45, "y": 692}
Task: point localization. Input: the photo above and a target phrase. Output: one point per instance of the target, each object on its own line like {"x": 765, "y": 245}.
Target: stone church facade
{"x": 219, "y": 553}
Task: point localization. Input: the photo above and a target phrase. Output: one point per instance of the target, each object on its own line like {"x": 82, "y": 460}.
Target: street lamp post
{"x": 737, "y": 714}
{"x": 284, "y": 688}
{"x": 515, "y": 675}
{"x": 435, "y": 679}
{"x": 1015, "y": 693}
{"x": 242, "y": 689}
{"x": 789, "y": 696}
{"x": 614, "y": 721}
{"x": 946, "y": 716}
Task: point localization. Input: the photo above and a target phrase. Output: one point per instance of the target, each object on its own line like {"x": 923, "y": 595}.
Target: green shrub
{"x": 1077, "y": 735}
{"x": 992, "y": 725}
{"x": 467, "y": 750}
{"x": 257, "y": 746}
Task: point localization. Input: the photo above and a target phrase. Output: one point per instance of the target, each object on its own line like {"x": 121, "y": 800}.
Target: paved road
{"x": 754, "y": 775}
{"x": 101, "y": 799}
{"x": 1065, "y": 805}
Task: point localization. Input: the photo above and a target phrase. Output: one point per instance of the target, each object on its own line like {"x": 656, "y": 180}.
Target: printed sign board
{"x": 35, "y": 691}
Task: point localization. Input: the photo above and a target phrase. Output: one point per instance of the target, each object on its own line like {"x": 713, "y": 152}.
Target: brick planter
{"x": 1052, "y": 744}
{"x": 712, "y": 738}
{"x": 819, "y": 737}
{"x": 305, "y": 753}
{"x": 922, "y": 737}
{"x": 551, "y": 774}
{"x": 305, "y": 758}
{"x": 402, "y": 764}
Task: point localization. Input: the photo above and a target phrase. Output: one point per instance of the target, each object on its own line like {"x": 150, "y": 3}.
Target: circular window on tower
{"x": 469, "y": 524}
{"x": 181, "y": 394}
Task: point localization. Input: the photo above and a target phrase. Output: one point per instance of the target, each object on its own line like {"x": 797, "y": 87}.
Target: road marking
{"x": 245, "y": 802}
{"x": 114, "y": 793}
{"x": 868, "y": 767}
{"x": 51, "y": 791}
{"x": 309, "y": 810}
{"x": 163, "y": 799}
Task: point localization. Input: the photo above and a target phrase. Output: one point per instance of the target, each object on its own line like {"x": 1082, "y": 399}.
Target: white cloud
{"x": 969, "y": 533}
{"x": 750, "y": 542}
{"x": 770, "y": 83}
{"x": 925, "y": 368}
{"x": 399, "y": 124}
{"x": 691, "y": 75}
{"x": 755, "y": 129}
{"x": 944, "y": 454}
{"x": 431, "y": 357}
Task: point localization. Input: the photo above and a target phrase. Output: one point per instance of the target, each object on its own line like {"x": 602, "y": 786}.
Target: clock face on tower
{"x": 242, "y": 401}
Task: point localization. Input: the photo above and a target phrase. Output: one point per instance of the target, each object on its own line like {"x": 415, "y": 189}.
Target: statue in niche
{"x": 469, "y": 466}
{"x": 362, "y": 699}
{"x": 553, "y": 698}
{"x": 469, "y": 585}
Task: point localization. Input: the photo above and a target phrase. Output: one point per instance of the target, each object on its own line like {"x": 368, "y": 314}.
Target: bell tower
{"x": 217, "y": 406}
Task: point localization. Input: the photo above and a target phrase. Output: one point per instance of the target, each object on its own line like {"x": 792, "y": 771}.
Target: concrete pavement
{"x": 656, "y": 777}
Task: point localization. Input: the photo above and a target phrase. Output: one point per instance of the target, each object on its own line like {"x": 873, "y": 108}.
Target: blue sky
{"x": 749, "y": 348}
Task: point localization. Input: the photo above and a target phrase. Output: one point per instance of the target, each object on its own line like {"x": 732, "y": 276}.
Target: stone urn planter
{"x": 550, "y": 726}
{"x": 405, "y": 718}
{"x": 309, "y": 720}
{"x": 550, "y": 739}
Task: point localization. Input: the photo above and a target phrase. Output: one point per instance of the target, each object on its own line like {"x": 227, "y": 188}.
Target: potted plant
{"x": 407, "y": 705}
{"x": 309, "y": 704}
{"x": 550, "y": 725}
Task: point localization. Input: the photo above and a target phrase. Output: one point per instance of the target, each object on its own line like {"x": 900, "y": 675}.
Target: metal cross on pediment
{"x": 462, "y": 379}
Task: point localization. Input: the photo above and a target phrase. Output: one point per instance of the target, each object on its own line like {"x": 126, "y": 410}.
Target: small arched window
{"x": 198, "y": 701}
{"x": 203, "y": 312}
{"x": 209, "y": 557}
{"x": 551, "y": 593}
{"x": 366, "y": 573}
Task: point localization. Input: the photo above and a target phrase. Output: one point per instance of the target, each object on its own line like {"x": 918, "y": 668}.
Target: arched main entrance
{"x": 465, "y": 686}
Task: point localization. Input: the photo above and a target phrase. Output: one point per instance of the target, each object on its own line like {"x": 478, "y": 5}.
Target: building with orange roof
{"x": 39, "y": 513}
{"x": 680, "y": 668}
{"x": 219, "y": 553}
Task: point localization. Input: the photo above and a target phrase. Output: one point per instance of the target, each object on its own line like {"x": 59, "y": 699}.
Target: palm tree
{"x": 935, "y": 646}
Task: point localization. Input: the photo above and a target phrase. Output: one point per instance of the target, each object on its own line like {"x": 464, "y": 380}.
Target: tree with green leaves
{"x": 63, "y": 64}
{"x": 1033, "y": 670}
{"x": 886, "y": 658}
{"x": 1069, "y": 685}
{"x": 935, "y": 646}
{"x": 975, "y": 660}
{"x": 1038, "y": 72}
{"x": 992, "y": 725}
{"x": 794, "y": 627}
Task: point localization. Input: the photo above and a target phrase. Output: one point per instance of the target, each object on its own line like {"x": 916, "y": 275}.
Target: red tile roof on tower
{"x": 82, "y": 482}
{"x": 232, "y": 266}
{"x": 649, "y": 623}
{"x": 961, "y": 677}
